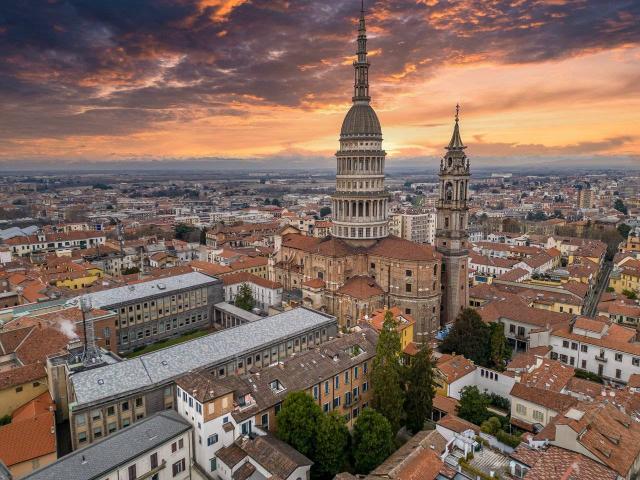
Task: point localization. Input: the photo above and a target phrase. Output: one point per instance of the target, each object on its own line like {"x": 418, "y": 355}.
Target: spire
{"x": 361, "y": 65}
{"x": 456, "y": 141}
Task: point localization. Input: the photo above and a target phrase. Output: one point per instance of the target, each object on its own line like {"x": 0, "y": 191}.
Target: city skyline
{"x": 268, "y": 82}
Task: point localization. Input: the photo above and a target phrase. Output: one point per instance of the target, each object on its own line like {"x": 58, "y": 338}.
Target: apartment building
{"x": 265, "y": 292}
{"x": 416, "y": 226}
{"x": 50, "y": 242}
{"x": 161, "y": 308}
{"x": 224, "y": 409}
{"x": 106, "y": 399}
{"x": 598, "y": 346}
{"x": 158, "y": 447}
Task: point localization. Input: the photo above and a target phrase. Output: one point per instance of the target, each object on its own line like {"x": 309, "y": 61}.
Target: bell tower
{"x": 452, "y": 236}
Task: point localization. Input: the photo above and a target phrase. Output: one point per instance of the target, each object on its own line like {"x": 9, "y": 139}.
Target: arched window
{"x": 448, "y": 191}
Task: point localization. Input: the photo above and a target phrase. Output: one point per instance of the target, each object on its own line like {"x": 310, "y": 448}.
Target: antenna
{"x": 91, "y": 352}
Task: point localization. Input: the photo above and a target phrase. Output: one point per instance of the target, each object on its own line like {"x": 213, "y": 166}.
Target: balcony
{"x": 601, "y": 358}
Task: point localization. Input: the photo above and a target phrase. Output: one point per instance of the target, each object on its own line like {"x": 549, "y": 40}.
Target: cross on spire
{"x": 456, "y": 140}
{"x": 457, "y": 109}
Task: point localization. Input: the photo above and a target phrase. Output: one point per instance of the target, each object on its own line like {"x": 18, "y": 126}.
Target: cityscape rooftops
{"x": 168, "y": 363}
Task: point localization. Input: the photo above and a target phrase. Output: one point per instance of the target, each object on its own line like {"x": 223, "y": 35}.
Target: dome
{"x": 361, "y": 119}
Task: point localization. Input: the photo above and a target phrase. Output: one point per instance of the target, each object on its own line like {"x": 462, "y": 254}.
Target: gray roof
{"x": 237, "y": 311}
{"x": 115, "y": 450}
{"x": 168, "y": 363}
{"x": 11, "y": 232}
{"x": 137, "y": 291}
{"x": 361, "y": 119}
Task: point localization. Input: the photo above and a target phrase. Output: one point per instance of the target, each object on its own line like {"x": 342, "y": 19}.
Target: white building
{"x": 419, "y": 227}
{"x": 598, "y": 346}
{"x": 265, "y": 292}
{"x": 157, "y": 447}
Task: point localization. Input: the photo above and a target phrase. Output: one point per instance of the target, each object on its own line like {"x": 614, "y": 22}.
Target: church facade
{"x": 360, "y": 268}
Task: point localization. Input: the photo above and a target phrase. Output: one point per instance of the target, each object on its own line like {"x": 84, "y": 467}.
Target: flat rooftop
{"x": 136, "y": 291}
{"x": 168, "y": 363}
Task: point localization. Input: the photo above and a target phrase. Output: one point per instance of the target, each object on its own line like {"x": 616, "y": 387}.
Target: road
{"x": 591, "y": 304}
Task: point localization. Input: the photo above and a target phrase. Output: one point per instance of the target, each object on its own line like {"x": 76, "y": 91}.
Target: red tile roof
{"x": 361, "y": 287}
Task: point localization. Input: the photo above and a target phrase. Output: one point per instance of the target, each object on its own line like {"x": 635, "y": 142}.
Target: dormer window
{"x": 276, "y": 386}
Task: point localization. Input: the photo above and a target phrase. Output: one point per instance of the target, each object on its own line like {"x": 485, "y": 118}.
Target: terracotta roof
{"x": 403, "y": 320}
{"x": 361, "y": 287}
{"x": 549, "y": 375}
{"x": 590, "y": 324}
{"x": 555, "y": 463}
{"x": 610, "y": 435}
{"x": 556, "y": 401}
{"x": 28, "y": 437}
{"x": 21, "y": 375}
{"x": 401, "y": 249}
{"x": 445, "y": 404}
{"x": 519, "y": 311}
{"x": 634, "y": 380}
{"x": 209, "y": 268}
{"x": 246, "y": 277}
{"x": 43, "y": 403}
{"x": 457, "y": 424}
{"x": 314, "y": 283}
{"x": 616, "y": 337}
{"x": 455, "y": 367}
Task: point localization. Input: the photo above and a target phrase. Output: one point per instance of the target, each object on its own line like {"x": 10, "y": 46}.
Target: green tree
{"x": 130, "y": 270}
{"x": 244, "y": 298}
{"x": 332, "y": 445}
{"x": 624, "y": 230}
{"x": 182, "y": 231}
{"x": 420, "y": 390}
{"x": 276, "y": 202}
{"x": 372, "y": 440}
{"x": 203, "y": 236}
{"x": 491, "y": 426}
{"x": 499, "y": 347}
{"x": 298, "y": 422}
{"x": 267, "y": 201}
{"x": 630, "y": 294}
{"x": 324, "y": 211}
{"x": 620, "y": 206}
{"x": 470, "y": 337}
{"x": 388, "y": 395}
{"x": 473, "y": 405}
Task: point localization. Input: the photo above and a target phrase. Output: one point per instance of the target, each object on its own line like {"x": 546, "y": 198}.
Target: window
{"x": 618, "y": 373}
{"x": 178, "y": 467}
{"x": 138, "y": 402}
{"x": 365, "y": 386}
{"x": 198, "y": 407}
{"x": 82, "y": 437}
{"x": 111, "y": 411}
{"x": 346, "y": 377}
{"x": 277, "y": 408}
{"x": 538, "y": 416}
{"x": 95, "y": 415}
{"x": 355, "y": 372}
{"x": 512, "y": 328}
{"x": 618, "y": 357}
{"x": 213, "y": 464}
{"x": 111, "y": 427}
{"x": 125, "y": 422}
{"x": 408, "y": 287}
{"x": 521, "y": 409}
{"x": 565, "y": 343}
{"x": 336, "y": 402}
{"x": 315, "y": 392}
{"x": 584, "y": 364}
{"x": 81, "y": 419}
{"x": 564, "y": 358}
{"x": 212, "y": 439}
{"x": 326, "y": 387}
{"x": 584, "y": 348}
{"x": 337, "y": 382}
{"x": 132, "y": 472}
{"x": 264, "y": 420}
{"x": 97, "y": 432}
{"x": 125, "y": 406}
{"x": 408, "y": 273}
{"x": 154, "y": 460}
{"x": 636, "y": 362}
{"x": 574, "y": 346}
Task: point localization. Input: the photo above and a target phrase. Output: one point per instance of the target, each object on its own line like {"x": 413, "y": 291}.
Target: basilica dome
{"x": 361, "y": 119}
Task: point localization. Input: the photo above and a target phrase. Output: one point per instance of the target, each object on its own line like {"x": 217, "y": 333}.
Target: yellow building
{"x": 626, "y": 276}
{"x": 404, "y": 321}
{"x": 449, "y": 369}
{"x": 21, "y": 385}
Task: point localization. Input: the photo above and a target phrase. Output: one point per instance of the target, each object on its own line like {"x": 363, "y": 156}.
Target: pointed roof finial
{"x": 456, "y": 140}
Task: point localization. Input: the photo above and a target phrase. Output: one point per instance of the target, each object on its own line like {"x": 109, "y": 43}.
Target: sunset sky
{"x": 115, "y": 80}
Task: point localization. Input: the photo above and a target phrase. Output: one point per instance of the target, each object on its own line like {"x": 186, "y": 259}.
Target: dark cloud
{"x": 83, "y": 67}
